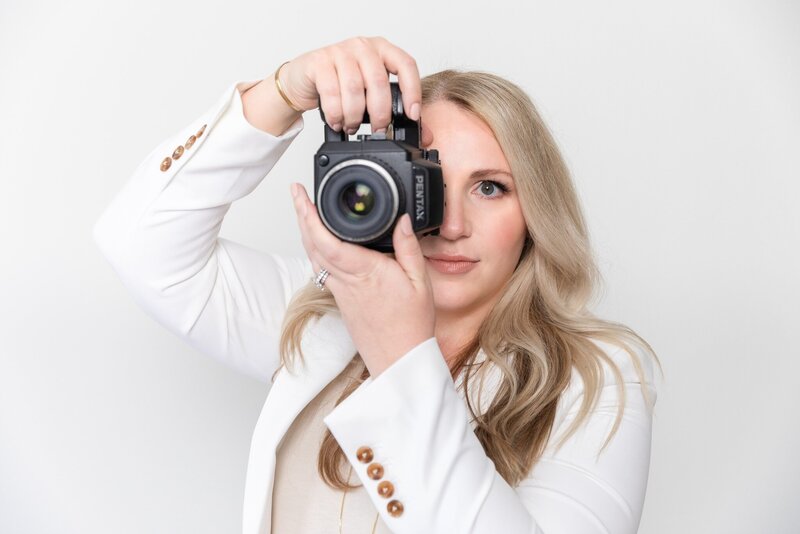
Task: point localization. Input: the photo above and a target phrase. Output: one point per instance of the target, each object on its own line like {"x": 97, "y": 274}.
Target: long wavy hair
{"x": 540, "y": 328}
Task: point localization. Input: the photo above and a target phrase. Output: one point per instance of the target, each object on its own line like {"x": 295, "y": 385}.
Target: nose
{"x": 455, "y": 223}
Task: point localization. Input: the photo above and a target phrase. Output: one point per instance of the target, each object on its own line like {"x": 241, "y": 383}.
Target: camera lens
{"x": 357, "y": 200}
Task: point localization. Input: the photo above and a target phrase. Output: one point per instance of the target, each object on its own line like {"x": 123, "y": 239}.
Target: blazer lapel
{"x": 327, "y": 349}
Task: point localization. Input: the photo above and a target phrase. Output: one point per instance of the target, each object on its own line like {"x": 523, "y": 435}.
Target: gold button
{"x": 364, "y": 454}
{"x": 385, "y": 489}
{"x": 375, "y": 471}
{"x": 395, "y": 508}
{"x": 201, "y": 130}
{"x": 166, "y": 163}
{"x": 178, "y": 152}
{"x": 189, "y": 142}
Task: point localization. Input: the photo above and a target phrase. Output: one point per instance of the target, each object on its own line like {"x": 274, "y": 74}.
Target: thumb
{"x": 407, "y": 251}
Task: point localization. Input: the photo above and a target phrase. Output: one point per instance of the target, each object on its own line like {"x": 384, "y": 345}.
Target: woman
{"x": 459, "y": 385}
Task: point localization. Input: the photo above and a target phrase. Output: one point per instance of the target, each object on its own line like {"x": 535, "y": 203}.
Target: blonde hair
{"x": 540, "y": 328}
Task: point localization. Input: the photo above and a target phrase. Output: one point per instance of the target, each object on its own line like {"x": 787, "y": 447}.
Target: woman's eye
{"x": 490, "y": 189}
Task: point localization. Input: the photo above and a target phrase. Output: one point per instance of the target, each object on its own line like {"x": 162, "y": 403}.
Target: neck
{"x": 454, "y": 331}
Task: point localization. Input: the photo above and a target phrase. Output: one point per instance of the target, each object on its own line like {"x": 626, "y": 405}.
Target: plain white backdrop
{"x": 679, "y": 120}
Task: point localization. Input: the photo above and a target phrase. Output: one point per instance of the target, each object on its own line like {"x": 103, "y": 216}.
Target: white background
{"x": 680, "y": 122}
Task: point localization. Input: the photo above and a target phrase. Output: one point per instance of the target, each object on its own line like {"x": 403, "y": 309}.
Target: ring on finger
{"x": 319, "y": 281}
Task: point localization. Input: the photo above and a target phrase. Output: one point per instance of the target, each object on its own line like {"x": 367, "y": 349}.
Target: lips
{"x": 449, "y": 264}
{"x": 448, "y": 257}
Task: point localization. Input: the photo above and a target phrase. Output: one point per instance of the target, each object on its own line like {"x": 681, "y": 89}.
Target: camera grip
{"x": 405, "y": 129}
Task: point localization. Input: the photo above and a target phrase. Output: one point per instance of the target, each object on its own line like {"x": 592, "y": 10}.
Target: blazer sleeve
{"x": 416, "y": 425}
{"x": 160, "y": 235}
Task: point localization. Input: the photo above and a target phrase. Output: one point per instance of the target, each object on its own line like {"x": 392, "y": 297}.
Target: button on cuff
{"x": 375, "y": 471}
{"x": 364, "y": 454}
{"x": 395, "y": 508}
{"x": 385, "y": 489}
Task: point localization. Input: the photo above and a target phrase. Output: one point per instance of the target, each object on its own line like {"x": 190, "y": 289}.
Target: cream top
{"x": 301, "y": 502}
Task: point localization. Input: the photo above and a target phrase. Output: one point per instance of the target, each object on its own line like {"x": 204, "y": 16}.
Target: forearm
{"x": 160, "y": 234}
{"x": 164, "y": 223}
{"x": 266, "y": 110}
{"x": 417, "y": 426}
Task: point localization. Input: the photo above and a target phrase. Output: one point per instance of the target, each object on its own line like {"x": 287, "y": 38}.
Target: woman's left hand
{"x": 386, "y": 302}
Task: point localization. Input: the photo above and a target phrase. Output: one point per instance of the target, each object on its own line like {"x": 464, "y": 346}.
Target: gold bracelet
{"x": 280, "y": 90}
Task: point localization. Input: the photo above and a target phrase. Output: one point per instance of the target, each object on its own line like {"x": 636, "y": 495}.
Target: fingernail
{"x": 405, "y": 224}
{"x": 295, "y": 190}
{"x": 337, "y": 126}
{"x": 303, "y": 208}
{"x": 414, "y": 111}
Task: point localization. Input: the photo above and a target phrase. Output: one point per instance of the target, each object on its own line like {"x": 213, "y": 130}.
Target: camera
{"x": 363, "y": 186}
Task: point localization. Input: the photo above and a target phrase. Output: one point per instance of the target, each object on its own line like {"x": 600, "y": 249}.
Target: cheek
{"x": 497, "y": 238}
{"x": 503, "y": 235}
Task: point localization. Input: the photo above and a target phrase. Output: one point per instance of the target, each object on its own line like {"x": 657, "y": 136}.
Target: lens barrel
{"x": 359, "y": 199}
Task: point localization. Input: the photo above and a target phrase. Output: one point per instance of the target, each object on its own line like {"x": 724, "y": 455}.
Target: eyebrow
{"x": 482, "y": 173}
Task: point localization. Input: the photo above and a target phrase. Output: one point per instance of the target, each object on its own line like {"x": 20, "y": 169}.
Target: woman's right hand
{"x": 337, "y": 75}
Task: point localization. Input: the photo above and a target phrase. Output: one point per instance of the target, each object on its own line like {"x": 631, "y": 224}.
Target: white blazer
{"x": 160, "y": 234}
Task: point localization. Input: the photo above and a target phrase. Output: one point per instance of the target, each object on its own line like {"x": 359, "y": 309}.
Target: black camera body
{"x": 362, "y": 187}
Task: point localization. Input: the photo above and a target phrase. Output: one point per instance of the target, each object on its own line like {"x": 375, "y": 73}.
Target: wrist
{"x": 265, "y": 108}
{"x": 282, "y": 90}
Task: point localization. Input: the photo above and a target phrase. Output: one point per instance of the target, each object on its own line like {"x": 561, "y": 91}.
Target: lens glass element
{"x": 357, "y": 200}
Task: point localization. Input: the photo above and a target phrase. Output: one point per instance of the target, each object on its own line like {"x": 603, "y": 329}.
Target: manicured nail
{"x": 405, "y": 224}
{"x": 414, "y": 111}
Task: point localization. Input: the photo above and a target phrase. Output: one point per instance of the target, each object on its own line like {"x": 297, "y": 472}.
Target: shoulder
{"x": 627, "y": 363}
{"x": 595, "y": 481}
{"x": 636, "y": 379}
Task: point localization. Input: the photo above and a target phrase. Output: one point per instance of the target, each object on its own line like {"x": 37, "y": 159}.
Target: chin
{"x": 451, "y": 298}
